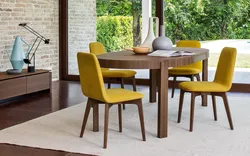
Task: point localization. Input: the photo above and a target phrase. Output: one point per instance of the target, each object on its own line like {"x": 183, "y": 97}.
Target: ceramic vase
{"x": 17, "y": 54}
{"x": 162, "y": 42}
{"x": 151, "y": 36}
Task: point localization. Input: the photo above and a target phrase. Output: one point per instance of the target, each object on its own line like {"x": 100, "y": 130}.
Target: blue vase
{"x": 17, "y": 54}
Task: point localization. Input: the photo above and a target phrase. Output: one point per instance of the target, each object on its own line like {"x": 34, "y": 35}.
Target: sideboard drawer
{"x": 38, "y": 82}
{"x": 12, "y": 87}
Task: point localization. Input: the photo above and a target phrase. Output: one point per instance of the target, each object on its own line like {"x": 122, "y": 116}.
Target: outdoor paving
{"x": 240, "y": 75}
{"x": 242, "y": 46}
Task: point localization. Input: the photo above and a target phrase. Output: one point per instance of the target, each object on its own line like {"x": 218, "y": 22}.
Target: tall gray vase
{"x": 162, "y": 42}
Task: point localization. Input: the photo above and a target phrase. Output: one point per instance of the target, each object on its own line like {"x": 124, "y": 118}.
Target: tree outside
{"x": 119, "y": 22}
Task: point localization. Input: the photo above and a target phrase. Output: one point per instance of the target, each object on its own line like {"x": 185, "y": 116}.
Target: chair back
{"x": 188, "y": 43}
{"x": 191, "y": 44}
{"x": 97, "y": 48}
{"x": 225, "y": 68}
{"x": 91, "y": 76}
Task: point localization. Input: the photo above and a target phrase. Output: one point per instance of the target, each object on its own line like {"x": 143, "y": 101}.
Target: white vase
{"x": 151, "y": 36}
{"x": 162, "y": 42}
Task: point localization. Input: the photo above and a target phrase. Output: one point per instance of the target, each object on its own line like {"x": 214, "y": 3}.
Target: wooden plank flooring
{"x": 20, "y": 110}
{"x": 32, "y": 106}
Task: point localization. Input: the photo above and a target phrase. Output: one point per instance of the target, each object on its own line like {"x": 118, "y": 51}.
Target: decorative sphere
{"x": 162, "y": 43}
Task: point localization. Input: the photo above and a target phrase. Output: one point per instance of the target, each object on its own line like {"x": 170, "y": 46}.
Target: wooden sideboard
{"x": 24, "y": 83}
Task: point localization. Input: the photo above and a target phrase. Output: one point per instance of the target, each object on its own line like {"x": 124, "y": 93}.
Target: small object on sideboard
{"x": 13, "y": 71}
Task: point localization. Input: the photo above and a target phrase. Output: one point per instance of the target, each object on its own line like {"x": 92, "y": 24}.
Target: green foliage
{"x": 114, "y": 8}
{"x": 207, "y": 19}
{"x": 115, "y": 32}
{"x": 184, "y": 19}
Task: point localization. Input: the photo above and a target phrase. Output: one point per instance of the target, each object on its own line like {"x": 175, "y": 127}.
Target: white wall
{"x": 42, "y": 16}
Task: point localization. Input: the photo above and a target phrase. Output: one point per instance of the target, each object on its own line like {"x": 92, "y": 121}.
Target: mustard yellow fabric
{"x": 91, "y": 76}
{"x": 97, "y": 48}
{"x": 92, "y": 82}
{"x": 190, "y": 69}
{"x": 116, "y": 95}
{"x": 223, "y": 76}
{"x": 118, "y": 73}
{"x": 184, "y": 71}
{"x": 198, "y": 86}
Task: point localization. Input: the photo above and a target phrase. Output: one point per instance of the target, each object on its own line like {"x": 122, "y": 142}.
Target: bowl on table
{"x": 141, "y": 50}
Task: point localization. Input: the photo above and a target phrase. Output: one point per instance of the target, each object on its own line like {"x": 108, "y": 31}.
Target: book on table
{"x": 170, "y": 53}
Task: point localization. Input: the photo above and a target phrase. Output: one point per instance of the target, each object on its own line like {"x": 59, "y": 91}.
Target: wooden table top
{"x": 129, "y": 60}
{"x": 5, "y": 76}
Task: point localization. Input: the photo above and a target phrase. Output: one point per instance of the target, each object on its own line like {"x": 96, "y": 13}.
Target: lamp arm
{"x": 35, "y": 49}
{"x": 34, "y": 32}
{"x": 46, "y": 41}
{"x": 31, "y": 48}
{"x": 25, "y": 42}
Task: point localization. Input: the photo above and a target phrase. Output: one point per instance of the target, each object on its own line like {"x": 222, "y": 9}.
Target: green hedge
{"x": 115, "y": 32}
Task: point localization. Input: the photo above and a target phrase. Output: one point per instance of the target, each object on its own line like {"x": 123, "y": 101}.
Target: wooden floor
{"x": 29, "y": 107}
{"x": 32, "y": 106}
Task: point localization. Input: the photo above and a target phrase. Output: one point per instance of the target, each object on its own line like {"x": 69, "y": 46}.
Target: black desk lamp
{"x": 38, "y": 39}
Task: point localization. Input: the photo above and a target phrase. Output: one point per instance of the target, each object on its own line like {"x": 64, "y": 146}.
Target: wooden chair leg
{"x": 214, "y": 107}
{"x": 106, "y": 121}
{"x": 173, "y": 88}
{"x": 109, "y": 84}
{"x": 224, "y": 96}
{"x": 192, "y": 77}
{"x": 122, "y": 86}
{"x": 95, "y": 116}
{"x": 198, "y": 77}
{"x": 192, "y": 111}
{"x": 134, "y": 83}
{"x": 120, "y": 117}
{"x": 122, "y": 82}
{"x": 180, "y": 105}
{"x": 85, "y": 118}
{"x": 140, "y": 110}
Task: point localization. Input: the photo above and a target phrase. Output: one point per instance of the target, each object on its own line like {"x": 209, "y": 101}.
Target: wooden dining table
{"x": 158, "y": 67}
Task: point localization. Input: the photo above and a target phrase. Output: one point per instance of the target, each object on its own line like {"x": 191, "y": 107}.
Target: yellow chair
{"x": 221, "y": 84}
{"x": 97, "y": 48}
{"x": 93, "y": 87}
{"x": 189, "y": 71}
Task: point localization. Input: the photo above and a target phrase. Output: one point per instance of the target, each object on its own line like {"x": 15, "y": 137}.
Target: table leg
{"x": 204, "y": 78}
{"x": 152, "y": 85}
{"x": 162, "y": 131}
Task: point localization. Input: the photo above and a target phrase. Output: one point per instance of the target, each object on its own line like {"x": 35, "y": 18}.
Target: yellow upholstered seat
{"x": 221, "y": 84}
{"x": 118, "y": 73}
{"x": 92, "y": 85}
{"x": 191, "y": 70}
{"x": 97, "y": 48}
{"x": 116, "y": 95}
{"x": 203, "y": 87}
{"x": 184, "y": 71}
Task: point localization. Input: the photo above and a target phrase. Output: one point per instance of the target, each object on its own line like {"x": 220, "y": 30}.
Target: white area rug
{"x": 60, "y": 131}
